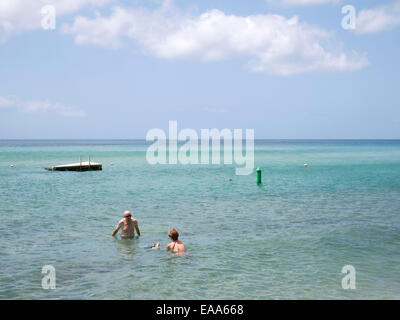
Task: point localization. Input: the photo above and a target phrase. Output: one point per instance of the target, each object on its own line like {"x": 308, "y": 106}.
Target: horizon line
{"x": 142, "y": 139}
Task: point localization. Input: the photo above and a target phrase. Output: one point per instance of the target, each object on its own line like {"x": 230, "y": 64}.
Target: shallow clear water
{"x": 286, "y": 239}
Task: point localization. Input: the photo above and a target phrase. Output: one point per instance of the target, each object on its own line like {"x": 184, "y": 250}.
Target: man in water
{"x": 128, "y": 225}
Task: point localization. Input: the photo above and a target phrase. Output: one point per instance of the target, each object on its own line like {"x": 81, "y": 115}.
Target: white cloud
{"x": 6, "y": 102}
{"x": 48, "y": 107}
{"x": 104, "y": 32}
{"x": 272, "y": 43}
{"x": 301, "y": 2}
{"x": 40, "y": 106}
{"x": 382, "y": 18}
{"x": 17, "y": 15}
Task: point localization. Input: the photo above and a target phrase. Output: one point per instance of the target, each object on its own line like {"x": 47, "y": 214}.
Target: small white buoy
{"x": 306, "y": 165}
{"x": 230, "y": 179}
{"x": 111, "y": 164}
{"x": 12, "y": 166}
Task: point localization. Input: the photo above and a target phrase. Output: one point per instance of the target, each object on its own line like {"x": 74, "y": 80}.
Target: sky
{"x": 115, "y": 69}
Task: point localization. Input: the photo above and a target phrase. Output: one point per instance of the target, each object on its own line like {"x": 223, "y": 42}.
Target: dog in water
{"x": 156, "y": 245}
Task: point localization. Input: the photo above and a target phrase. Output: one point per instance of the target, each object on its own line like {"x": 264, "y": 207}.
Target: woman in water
{"x": 176, "y": 246}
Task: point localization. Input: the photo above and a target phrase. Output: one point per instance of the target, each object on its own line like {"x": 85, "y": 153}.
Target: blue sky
{"x": 116, "y": 69}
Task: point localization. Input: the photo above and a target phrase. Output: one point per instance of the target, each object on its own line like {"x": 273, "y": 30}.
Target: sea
{"x": 290, "y": 237}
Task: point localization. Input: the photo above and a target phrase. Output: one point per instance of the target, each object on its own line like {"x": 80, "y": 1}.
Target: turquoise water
{"x": 286, "y": 239}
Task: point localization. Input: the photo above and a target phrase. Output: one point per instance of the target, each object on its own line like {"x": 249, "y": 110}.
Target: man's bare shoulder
{"x": 134, "y": 220}
{"x": 120, "y": 221}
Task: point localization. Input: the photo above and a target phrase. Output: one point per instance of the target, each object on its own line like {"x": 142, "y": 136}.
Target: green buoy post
{"x": 258, "y": 176}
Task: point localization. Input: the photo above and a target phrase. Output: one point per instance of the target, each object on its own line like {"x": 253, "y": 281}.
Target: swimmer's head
{"x": 173, "y": 234}
{"x": 127, "y": 214}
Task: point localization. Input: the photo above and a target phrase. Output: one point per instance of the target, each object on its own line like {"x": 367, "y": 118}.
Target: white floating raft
{"x": 80, "y": 166}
